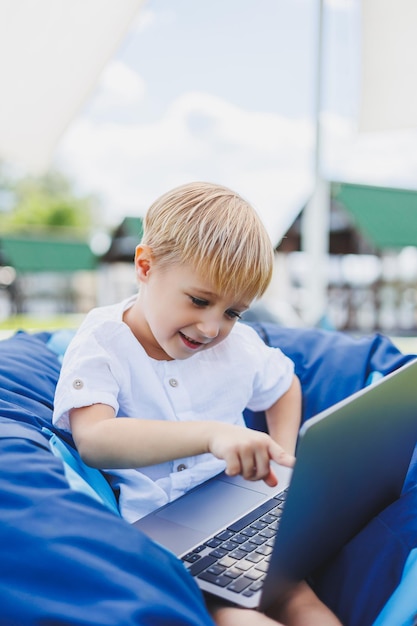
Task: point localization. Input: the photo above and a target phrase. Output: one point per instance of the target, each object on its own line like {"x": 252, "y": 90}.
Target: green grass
{"x": 33, "y": 323}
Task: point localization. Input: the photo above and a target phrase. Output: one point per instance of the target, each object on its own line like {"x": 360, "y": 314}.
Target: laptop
{"x": 248, "y": 543}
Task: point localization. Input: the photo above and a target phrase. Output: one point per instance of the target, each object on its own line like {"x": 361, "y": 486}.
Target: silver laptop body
{"x": 351, "y": 463}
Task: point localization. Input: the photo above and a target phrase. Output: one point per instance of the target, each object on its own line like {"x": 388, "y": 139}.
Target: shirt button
{"x": 173, "y": 382}
{"x": 181, "y": 467}
{"x": 78, "y": 383}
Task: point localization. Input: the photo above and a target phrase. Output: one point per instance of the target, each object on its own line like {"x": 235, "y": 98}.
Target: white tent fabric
{"x": 51, "y": 54}
{"x": 389, "y": 86}
{"x": 388, "y": 102}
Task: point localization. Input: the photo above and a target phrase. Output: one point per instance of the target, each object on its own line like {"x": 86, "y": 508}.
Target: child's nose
{"x": 209, "y": 327}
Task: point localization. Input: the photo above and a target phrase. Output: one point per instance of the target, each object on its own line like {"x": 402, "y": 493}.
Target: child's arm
{"x": 106, "y": 441}
{"x": 284, "y": 417}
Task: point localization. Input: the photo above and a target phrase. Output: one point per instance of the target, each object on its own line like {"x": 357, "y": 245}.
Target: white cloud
{"x": 126, "y": 84}
{"x": 382, "y": 159}
{"x": 265, "y": 157}
{"x": 120, "y": 89}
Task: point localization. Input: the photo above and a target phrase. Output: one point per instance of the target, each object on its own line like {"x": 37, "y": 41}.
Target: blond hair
{"x": 217, "y": 232}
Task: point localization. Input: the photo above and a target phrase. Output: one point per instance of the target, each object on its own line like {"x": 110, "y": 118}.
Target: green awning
{"x": 386, "y": 217}
{"x": 46, "y": 255}
{"x": 132, "y": 227}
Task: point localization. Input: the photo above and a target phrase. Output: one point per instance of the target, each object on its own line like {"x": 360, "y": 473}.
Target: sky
{"x": 225, "y": 91}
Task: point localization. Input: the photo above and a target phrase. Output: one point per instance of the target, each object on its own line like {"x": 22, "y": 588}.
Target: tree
{"x": 47, "y": 202}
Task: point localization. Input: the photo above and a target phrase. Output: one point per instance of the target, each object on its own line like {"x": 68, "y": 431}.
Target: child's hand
{"x": 248, "y": 452}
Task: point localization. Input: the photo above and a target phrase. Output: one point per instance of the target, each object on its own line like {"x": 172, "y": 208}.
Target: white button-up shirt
{"x": 106, "y": 364}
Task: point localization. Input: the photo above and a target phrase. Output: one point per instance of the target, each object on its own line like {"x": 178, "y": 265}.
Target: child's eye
{"x": 233, "y": 315}
{"x": 198, "y": 301}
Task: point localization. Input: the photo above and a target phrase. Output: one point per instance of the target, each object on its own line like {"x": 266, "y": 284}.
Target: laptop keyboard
{"x": 237, "y": 558}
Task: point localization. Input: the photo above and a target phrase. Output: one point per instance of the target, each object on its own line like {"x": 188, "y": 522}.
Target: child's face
{"x": 178, "y": 313}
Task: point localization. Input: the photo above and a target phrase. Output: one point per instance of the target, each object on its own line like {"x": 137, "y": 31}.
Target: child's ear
{"x": 143, "y": 261}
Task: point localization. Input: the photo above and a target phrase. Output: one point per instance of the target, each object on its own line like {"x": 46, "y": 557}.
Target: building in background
{"x": 46, "y": 275}
{"x": 372, "y": 262}
{"x": 371, "y": 267}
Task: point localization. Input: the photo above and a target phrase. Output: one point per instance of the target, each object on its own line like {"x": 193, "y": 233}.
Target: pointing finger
{"x": 281, "y": 457}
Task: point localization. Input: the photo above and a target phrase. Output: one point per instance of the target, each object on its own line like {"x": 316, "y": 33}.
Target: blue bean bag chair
{"x": 68, "y": 558}
{"x": 373, "y": 580}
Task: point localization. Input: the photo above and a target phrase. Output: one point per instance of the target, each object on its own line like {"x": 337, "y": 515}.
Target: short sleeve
{"x": 273, "y": 371}
{"x": 87, "y": 377}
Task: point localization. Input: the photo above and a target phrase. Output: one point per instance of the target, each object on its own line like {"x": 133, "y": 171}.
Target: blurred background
{"x": 307, "y": 108}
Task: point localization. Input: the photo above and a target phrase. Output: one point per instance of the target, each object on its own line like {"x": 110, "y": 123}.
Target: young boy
{"x": 153, "y": 388}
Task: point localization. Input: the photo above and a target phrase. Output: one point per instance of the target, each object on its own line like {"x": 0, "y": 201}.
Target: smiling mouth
{"x": 191, "y": 343}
